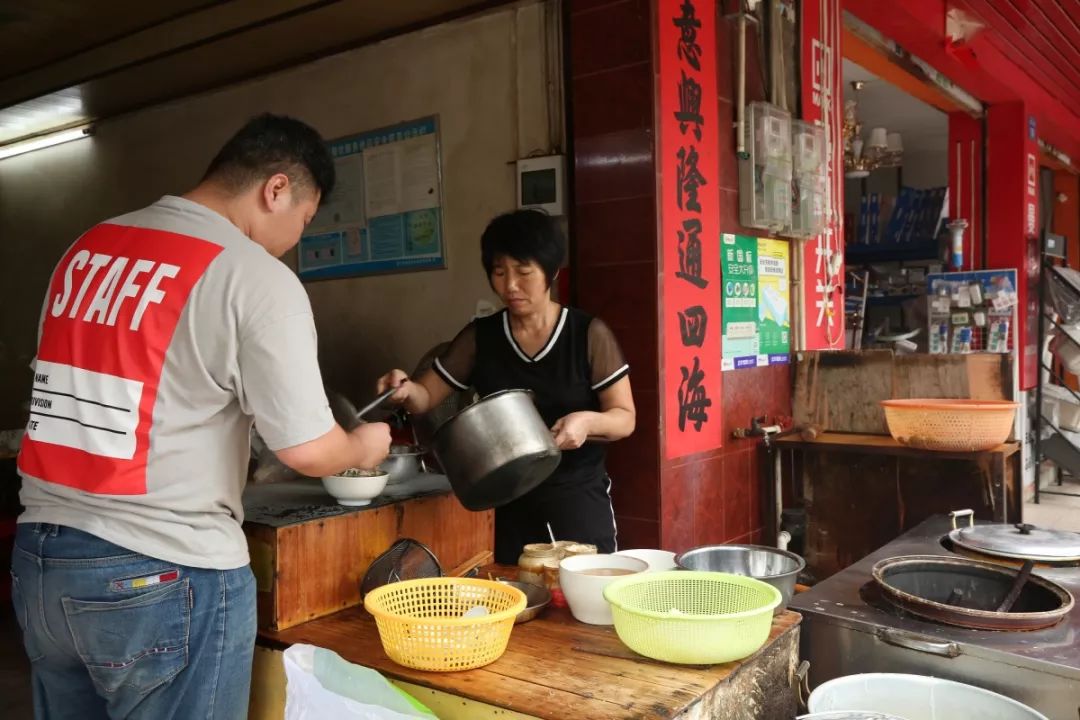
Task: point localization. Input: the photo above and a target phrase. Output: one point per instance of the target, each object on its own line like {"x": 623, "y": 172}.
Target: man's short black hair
{"x": 524, "y": 235}
{"x": 270, "y": 144}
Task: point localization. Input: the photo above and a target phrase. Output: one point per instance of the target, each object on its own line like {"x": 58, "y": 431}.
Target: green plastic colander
{"x": 696, "y": 618}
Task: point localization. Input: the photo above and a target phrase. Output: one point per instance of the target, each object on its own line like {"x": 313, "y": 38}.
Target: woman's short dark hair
{"x": 524, "y": 235}
{"x": 270, "y": 144}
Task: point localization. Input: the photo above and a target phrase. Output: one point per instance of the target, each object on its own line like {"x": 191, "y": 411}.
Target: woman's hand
{"x": 395, "y": 379}
{"x": 571, "y": 431}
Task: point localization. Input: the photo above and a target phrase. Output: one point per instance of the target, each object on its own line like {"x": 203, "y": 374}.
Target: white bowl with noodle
{"x": 354, "y": 487}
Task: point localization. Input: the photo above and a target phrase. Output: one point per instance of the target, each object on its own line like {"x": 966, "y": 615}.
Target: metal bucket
{"x": 496, "y": 450}
{"x": 779, "y": 568}
{"x": 916, "y": 696}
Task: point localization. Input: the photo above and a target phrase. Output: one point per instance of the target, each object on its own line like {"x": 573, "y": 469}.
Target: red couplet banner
{"x": 687, "y": 156}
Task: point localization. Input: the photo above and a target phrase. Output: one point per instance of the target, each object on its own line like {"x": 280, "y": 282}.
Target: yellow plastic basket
{"x": 421, "y": 625}
{"x": 949, "y": 425}
{"x": 697, "y": 618}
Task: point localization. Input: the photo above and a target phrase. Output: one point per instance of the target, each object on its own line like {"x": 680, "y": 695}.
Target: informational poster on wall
{"x": 756, "y": 315}
{"x": 385, "y": 213}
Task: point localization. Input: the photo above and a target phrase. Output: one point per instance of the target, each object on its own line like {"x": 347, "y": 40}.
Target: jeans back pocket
{"x": 22, "y": 616}
{"x": 137, "y": 643}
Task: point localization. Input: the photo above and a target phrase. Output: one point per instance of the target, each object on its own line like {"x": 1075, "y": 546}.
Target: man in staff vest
{"x": 164, "y": 334}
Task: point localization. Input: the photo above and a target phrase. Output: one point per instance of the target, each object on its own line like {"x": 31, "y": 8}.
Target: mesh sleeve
{"x": 455, "y": 365}
{"x": 606, "y": 362}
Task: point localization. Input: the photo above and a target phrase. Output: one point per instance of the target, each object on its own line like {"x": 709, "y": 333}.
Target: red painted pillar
{"x": 613, "y": 224}
{"x": 1012, "y": 221}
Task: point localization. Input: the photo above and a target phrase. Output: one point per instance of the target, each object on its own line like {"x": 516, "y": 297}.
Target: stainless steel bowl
{"x": 403, "y": 462}
{"x": 779, "y": 568}
{"x": 536, "y": 599}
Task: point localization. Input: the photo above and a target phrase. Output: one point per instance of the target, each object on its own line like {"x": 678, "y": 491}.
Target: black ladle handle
{"x": 1018, "y": 585}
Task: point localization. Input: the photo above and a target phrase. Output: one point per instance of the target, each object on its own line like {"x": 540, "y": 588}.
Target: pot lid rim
{"x": 1000, "y": 540}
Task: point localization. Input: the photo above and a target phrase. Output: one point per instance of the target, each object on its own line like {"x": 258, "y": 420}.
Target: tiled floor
{"x": 1058, "y": 512}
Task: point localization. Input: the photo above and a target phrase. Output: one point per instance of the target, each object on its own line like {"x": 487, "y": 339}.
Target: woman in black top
{"x": 572, "y": 363}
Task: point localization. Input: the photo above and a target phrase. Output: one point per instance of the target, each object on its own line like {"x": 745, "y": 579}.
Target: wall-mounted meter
{"x": 765, "y": 175}
{"x": 808, "y": 180}
{"x": 540, "y": 184}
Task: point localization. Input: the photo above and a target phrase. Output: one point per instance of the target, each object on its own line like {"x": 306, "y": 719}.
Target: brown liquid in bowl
{"x": 607, "y": 571}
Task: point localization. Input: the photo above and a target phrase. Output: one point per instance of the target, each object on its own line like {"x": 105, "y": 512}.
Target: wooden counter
{"x": 555, "y": 668}
{"x": 309, "y": 553}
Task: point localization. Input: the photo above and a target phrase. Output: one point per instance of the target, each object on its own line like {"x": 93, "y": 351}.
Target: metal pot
{"x": 496, "y": 450}
{"x": 777, "y": 567}
{"x": 403, "y": 462}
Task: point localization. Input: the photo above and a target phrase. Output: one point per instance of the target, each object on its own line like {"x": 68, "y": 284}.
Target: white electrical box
{"x": 540, "y": 184}
{"x": 765, "y": 174}
{"x": 808, "y": 180}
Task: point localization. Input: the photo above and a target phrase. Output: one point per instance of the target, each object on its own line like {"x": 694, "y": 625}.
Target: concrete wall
{"x": 483, "y": 76}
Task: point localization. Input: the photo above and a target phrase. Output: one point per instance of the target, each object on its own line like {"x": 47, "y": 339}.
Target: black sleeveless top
{"x": 580, "y": 359}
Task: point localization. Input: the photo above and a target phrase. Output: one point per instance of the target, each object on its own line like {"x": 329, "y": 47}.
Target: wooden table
{"x": 861, "y": 491}
{"x": 556, "y": 668}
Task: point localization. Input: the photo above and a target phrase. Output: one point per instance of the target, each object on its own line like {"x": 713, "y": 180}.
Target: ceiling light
{"x": 43, "y": 141}
{"x": 884, "y": 149}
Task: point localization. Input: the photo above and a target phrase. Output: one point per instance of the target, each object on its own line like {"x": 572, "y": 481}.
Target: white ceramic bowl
{"x": 355, "y": 491}
{"x": 658, "y": 560}
{"x": 585, "y": 592}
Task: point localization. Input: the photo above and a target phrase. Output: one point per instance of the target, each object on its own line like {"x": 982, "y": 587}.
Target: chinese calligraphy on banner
{"x": 689, "y": 226}
{"x": 756, "y": 319}
{"x": 822, "y": 256}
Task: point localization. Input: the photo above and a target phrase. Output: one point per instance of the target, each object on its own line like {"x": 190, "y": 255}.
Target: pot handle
{"x": 802, "y": 685}
{"x": 907, "y": 640}
{"x": 969, "y": 514}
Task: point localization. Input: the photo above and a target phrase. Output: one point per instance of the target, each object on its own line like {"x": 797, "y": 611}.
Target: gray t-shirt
{"x": 165, "y": 333}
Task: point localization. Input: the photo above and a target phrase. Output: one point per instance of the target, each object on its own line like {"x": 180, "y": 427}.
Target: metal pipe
{"x": 740, "y": 84}
{"x": 799, "y": 321}
{"x": 776, "y": 57}
{"x": 959, "y": 195}
{"x": 783, "y": 539}
{"x": 971, "y": 208}
{"x": 779, "y": 492}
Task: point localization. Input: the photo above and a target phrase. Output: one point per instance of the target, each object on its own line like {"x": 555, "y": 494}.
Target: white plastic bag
{"x": 320, "y": 685}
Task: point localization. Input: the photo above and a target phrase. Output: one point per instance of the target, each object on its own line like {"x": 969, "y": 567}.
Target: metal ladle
{"x": 346, "y": 413}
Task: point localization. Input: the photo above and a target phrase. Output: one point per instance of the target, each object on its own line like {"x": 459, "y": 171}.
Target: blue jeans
{"x": 114, "y": 634}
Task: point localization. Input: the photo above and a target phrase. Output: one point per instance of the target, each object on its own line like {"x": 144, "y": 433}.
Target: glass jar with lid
{"x": 532, "y": 561}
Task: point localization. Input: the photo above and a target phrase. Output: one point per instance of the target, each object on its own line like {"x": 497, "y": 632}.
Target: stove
{"x": 849, "y": 628}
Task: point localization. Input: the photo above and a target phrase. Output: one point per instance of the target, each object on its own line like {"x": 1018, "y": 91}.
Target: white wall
{"x": 483, "y": 76}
